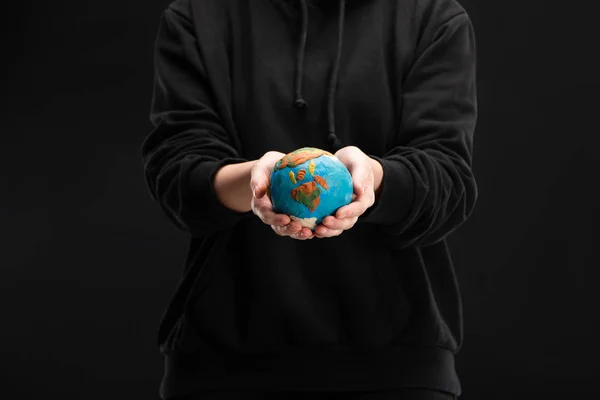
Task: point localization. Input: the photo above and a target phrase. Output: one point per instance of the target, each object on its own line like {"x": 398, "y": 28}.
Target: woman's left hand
{"x": 365, "y": 172}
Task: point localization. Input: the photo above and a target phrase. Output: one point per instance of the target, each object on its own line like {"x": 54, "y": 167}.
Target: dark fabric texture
{"x": 376, "y": 308}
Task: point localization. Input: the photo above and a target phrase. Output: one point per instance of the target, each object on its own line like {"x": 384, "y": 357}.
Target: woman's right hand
{"x": 282, "y": 224}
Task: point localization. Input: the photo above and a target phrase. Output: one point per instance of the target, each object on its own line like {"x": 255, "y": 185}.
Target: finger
{"x": 352, "y": 210}
{"x": 324, "y": 232}
{"x": 264, "y": 210}
{"x": 284, "y": 230}
{"x": 357, "y": 207}
{"x": 304, "y": 234}
{"x": 292, "y": 228}
{"x": 339, "y": 223}
{"x": 307, "y": 233}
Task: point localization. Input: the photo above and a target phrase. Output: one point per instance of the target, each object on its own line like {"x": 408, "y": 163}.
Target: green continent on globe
{"x": 308, "y": 194}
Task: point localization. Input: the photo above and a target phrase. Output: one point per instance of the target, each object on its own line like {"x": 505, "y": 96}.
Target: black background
{"x": 89, "y": 262}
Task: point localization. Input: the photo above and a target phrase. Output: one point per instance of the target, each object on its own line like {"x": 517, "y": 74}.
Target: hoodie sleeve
{"x": 188, "y": 143}
{"x": 428, "y": 188}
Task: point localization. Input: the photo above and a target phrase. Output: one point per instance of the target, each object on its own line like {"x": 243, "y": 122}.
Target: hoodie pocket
{"x": 393, "y": 294}
{"x": 177, "y": 330}
{"x": 374, "y": 308}
{"x": 256, "y": 299}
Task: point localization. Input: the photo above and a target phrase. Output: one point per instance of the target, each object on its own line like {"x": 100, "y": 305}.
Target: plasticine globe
{"x": 309, "y": 184}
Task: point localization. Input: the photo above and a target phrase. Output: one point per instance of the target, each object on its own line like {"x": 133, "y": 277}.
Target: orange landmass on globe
{"x": 300, "y": 156}
{"x": 321, "y": 181}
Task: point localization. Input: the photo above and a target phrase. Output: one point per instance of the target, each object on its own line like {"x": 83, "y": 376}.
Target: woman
{"x": 367, "y": 306}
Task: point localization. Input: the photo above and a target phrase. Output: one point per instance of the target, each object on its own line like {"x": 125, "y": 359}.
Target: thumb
{"x": 360, "y": 179}
{"x": 258, "y": 185}
{"x": 259, "y": 190}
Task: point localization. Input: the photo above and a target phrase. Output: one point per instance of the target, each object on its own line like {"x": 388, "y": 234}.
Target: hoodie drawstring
{"x": 299, "y": 102}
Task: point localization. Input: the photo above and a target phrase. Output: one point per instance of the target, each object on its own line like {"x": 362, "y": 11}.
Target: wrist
{"x": 232, "y": 185}
{"x": 377, "y": 169}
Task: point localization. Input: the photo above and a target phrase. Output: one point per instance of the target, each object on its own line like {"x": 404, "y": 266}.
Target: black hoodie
{"x": 377, "y": 307}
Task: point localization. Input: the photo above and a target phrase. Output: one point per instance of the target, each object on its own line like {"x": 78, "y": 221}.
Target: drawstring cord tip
{"x": 300, "y": 103}
{"x": 334, "y": 141}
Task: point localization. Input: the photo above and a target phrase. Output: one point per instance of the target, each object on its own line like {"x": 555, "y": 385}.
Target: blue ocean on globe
{"x": 309, "y": 184}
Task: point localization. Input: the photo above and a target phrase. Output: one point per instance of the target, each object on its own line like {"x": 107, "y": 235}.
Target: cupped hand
{"x": 360, "y": 167}
{"x": 262, "y": 207}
